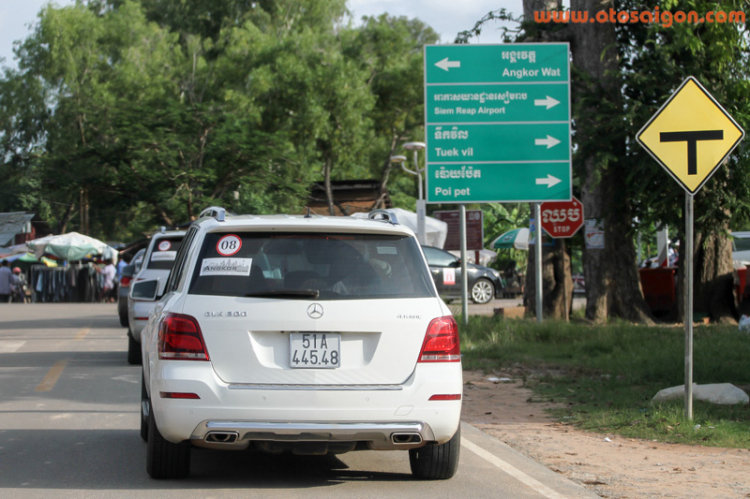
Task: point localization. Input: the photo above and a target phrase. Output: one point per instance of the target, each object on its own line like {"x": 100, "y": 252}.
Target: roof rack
{"x": 216, "y": 212}
{"x": 383, "y": 216}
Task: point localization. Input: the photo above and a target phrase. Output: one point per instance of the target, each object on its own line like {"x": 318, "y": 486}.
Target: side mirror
{"x": 456, "y": 263}
{"x": 147, "y": 290}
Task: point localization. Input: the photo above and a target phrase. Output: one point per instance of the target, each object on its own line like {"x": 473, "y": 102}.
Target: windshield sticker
{"x": 226, "y": 266}
{"x": 449, "y": 276}
{"x": 387, "y": 250}
{"x": 165, "y": 245}
{"x": 229, "y": 245}
{"x": 163, "y": 256}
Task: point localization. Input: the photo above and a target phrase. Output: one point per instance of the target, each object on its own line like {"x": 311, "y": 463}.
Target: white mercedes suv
{"x": 300, "y": 334}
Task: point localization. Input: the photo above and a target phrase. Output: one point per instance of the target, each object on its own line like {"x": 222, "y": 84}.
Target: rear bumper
{"x": 372, "y": 415}
{"x": 378, "y": 436}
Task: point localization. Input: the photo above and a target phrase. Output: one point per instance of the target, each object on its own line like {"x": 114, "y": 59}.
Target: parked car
{"x": 126, "y": 276}
{"x": 741, "y": 246}
{"x": 157, "y": 264}
{"x": 310, "y": 335}
{"x": 484, "y": 283}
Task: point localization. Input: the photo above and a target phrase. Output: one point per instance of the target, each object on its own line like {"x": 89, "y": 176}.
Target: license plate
{"x": 314, "y": 350}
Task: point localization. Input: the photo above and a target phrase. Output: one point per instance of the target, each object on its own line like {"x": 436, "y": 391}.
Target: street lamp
{"x": 421, "y": 205}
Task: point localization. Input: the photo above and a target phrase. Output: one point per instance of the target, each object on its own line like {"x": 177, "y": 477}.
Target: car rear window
{"x": 311, "y": 265}
{"x": 164, "y": 252}
{"x": 741, "y": 244}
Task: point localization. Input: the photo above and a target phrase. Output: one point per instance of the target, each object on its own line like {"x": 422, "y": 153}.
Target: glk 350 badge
{"x": 226, "y": 314}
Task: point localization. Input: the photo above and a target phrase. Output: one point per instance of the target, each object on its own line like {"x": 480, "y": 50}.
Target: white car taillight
{"x": 180, "y": 338}
{"x": 441, "y": 342}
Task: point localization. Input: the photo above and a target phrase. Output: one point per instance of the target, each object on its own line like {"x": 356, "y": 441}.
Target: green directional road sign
{"x": 519, "y": 142}
{"x": 498, "y": 123}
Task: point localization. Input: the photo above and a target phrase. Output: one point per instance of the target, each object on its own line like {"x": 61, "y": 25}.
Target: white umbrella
{"x": 71, "y": 246}
{"x": 516, "y": 238}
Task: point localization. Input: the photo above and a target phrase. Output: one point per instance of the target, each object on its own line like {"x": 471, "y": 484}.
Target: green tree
{"x": 656, "y": 59}
{"x": 622, "y": 74}
{"x": 389, "y": 50}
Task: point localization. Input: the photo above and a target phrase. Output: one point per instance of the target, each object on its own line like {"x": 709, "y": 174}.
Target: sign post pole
{"x": 688, "y": 268}
{"x": 538, "y": 261}
{"x": 464, "y": 276}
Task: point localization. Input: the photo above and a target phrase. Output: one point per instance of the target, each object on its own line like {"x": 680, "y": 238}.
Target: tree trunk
{"x": 713, "y": 278}
{"x": 327, "y": 185}
{"x": 612, "y": 282}
{"x": 62, "y": 226}
{"x": 557, "y": 282}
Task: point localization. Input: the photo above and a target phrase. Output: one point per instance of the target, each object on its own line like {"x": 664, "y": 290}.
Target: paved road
{"x": 489, "y": 308}
{"x": 69, "y": 428}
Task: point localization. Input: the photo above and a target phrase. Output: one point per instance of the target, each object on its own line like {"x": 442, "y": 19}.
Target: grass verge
{"x": 604, "y": 377}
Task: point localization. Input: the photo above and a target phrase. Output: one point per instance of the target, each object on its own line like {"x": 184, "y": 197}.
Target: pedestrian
{"x": 121, "y": 264}
{"x": 109, "y": 271}
{"x": 7, "y": 282}
{"x": 18, "y": 289}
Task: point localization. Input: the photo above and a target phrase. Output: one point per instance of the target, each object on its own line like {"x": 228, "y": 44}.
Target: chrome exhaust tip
{"x": 406, "y": 438}
{"x": 222, "y": 437}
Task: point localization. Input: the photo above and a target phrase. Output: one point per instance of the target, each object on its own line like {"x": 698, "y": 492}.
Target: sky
{"x": 447, "y": 17}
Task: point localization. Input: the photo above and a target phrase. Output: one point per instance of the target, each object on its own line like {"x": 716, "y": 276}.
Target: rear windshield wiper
{"x": 285, "y": 293}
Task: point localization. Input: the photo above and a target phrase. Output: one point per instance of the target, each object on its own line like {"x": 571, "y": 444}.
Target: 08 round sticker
{"x": 164, "y": 245}
{"x": 228, "y": 245}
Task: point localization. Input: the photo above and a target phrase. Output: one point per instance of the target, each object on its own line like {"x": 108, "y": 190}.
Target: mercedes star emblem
{"x": 315, "y": 310}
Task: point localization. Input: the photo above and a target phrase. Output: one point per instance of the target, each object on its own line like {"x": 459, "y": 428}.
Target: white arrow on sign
{"x": 550, "y": 142}
{"x": 548, "y": 101}
{"x": 550, "y": 181}
{"x": 445, "y": 64}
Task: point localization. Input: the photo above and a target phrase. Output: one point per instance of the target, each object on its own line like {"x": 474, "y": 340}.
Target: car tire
{"x": 134, "y": 351}
{"x": 436, "y": 462}
{"x": 482, "y": 291}
{"x": 145, "y": 410}
{"x": 123, "y": 317}
{"x": 163, "y": 458}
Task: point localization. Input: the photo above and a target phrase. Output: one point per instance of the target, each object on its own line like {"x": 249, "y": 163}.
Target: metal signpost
{"x": 497, "y": 123}
{"x": 690, "y": 137}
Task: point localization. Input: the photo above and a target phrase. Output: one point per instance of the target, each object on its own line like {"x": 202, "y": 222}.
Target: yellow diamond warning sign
{"x": 691, "y": 135}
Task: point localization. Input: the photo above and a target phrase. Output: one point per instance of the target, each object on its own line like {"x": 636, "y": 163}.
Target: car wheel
{"x": 163, "y": 458}
{"x": 124, "y": 317}
{"x": 436, "y": 462}
{"x": 482, "y": 291}
{"x": 134, "y": 351}
{"x": 145, "y": 410}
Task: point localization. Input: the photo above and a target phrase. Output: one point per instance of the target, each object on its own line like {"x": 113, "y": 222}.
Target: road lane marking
{"x": 48, "y": 383}
{"x": 10, "y": 346}
{"x": 514, "y": 472}
{"x": 82, "y": 334}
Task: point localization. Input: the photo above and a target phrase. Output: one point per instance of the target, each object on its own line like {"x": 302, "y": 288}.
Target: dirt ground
{"x": 610, "y": 465}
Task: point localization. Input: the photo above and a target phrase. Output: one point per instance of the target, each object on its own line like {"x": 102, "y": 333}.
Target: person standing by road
{"x": 121, "y": 264}
{"x": 7, "y": 280}
{"x": 18, "y": 289}
{"x": 109, "y": 272}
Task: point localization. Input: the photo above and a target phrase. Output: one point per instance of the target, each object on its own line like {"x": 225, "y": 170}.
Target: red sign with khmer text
{"x": 562, "y": 218}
